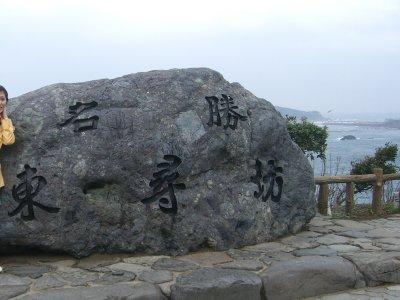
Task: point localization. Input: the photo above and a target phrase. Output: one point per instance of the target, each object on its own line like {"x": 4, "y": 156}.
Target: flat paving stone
{"x": 367, "y": 246}
{"x": 96, "y": 260}
{"x": 78, "y": 277}
{"x": 353, "y": 234}
{"x": 382, "y": 233}
{"x": 249, "y": 265}
{"x": 9, "y": 279}
{"x": 391, "y": 241}
{"x": 319, "y": 229}
{"x": 12, "y": 286}
{"x": 320, "y": 222}
{"x": 152, "y": 276}
{"x": 133, "y": 268}
{"x": 139, "y": 291}
{"x": 217, "y": 284}
{"x": 319, "y": 251}
{"x": 309, "y": 276}
{"x": 331, "y": 239}
{"x": 387, "y": 247}
{"x": 143, "y": 260}
{"x": 243, "y": 254}
{"x": 344, "y": 248}
{"x": 377, "y": 267}
{"x": 48, "y": 281}
{"x": 10, "y": 291}
{"x": 308, "y": 234}
{"x": 32, "y": 271}
{"x": 275, "y": 257}
{"x": 115, "y": 277}
{"x": 62, "y": 264}
{"x": 269, "y": 247}
{"x": 172, "y": 264}
{"x": 207, "y": 259}
{"x": 354, "y": 225}
{"x": 336, "y": 228}
{"x": 297, "y": 242}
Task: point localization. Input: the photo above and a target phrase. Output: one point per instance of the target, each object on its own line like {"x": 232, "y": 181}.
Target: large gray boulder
{"x": 146, "y": 129}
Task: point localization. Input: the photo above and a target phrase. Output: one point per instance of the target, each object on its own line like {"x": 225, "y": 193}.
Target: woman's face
{"x": 3, "y": 101}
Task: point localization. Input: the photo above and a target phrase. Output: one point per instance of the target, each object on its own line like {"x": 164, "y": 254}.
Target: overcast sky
{"x": 307, "y": 54}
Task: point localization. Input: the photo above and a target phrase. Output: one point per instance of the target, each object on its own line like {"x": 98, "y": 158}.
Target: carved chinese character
{"x": 81, "y": 124}
{"x": 163, "y": 183}
{"x": 266, "y": 183}
{"x": 24, "y": 194}
{"x": 223, "y": 110}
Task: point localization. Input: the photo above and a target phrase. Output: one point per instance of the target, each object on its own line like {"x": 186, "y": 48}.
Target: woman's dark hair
{"x": 3, "y": 89}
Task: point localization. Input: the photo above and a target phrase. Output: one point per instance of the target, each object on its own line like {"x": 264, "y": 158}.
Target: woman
{"x": 6, "y": 129}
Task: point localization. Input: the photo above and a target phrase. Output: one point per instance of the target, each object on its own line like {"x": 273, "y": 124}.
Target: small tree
{"x": 311, "y": 138}
{"x": 383, "y": 158}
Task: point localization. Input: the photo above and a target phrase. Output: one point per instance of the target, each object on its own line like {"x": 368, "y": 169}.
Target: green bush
{"x": 311, "y": 138}
{"x": 383, "y": 158}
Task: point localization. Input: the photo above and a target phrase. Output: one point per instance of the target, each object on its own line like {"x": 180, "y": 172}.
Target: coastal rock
{"x": 97, "y": 146}
{"x": 348, "y": 138}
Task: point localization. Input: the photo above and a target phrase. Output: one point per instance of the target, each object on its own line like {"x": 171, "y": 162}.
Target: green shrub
{"x": 309, "y": 137}
{"x": 383, "y": 158}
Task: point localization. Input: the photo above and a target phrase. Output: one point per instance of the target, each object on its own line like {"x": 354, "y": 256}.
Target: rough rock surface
{"x": 97, "y": 178}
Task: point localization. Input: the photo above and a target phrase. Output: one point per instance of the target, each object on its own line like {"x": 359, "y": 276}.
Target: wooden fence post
{"x": 377, "y": 193}
{"x": 350, "y": 186}
{"x": 323, "y": 198}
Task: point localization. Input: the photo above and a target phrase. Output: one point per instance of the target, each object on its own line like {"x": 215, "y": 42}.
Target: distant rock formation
{"x": 310, "y": 115}
{"x": 348, "y": 138}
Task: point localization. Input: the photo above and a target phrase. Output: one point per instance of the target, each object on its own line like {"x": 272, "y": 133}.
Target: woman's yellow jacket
{"x": 7, "y": 138}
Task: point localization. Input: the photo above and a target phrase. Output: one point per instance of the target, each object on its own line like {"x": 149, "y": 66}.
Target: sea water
{"x": 340, "y": 153}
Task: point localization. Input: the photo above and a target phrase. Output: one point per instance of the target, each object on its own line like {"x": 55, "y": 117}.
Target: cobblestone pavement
{"x": 354, "y": 258}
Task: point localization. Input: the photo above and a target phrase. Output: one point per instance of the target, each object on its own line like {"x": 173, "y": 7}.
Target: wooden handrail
{"x": 354, "y": 178}
{"x": 377, "y": 179}
{"x": 388, "y": 177}
{"x": 345, "y": 179}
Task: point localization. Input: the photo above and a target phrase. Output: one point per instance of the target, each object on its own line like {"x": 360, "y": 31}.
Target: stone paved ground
{"x": 330, "y": 257}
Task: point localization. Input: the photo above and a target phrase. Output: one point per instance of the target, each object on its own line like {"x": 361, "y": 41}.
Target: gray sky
{"x": 341, "y": 55}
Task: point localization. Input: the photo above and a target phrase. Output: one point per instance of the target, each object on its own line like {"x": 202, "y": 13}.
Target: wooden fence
{"x": 377, "y": 179}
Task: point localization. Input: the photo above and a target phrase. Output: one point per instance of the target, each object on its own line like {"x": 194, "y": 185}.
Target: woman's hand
{"x": 3, "y": 114}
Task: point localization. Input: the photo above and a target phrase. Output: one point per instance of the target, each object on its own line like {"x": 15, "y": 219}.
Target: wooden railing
{"x": 377, "y": 179}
